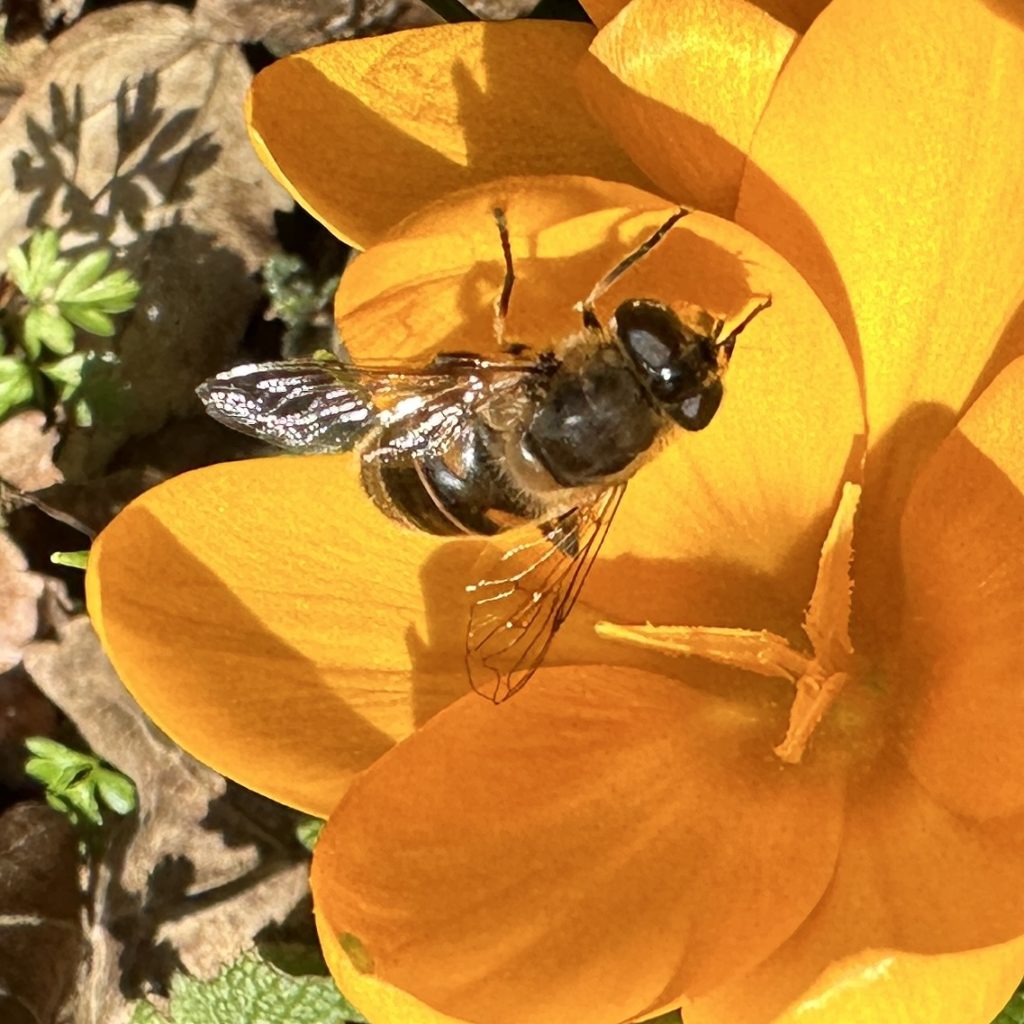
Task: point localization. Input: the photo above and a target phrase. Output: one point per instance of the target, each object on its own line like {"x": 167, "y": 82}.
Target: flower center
{"x": 818, "y": 672}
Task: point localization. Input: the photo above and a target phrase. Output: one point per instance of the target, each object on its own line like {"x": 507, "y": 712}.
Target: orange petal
{"x": 431, "y": 284}
{"x": 376, "y": 1000}
{"x": 923, "y": 922}
{"x": 963, "y": 555}
{"x": 682, "y": 88}
{"x": 880, "y": 985}
{"x": 364, "y": 132}
{"x": 899, "y": 193}
{"x": 739, "y": 510}
{"x": 914, "y": 245}
{"x": 733, "y": 496}
{"x": 594, "y": 846}
{"x": 276, "y": 625}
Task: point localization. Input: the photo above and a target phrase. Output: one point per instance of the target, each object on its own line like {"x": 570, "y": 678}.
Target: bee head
{"x": 680, "y": 367}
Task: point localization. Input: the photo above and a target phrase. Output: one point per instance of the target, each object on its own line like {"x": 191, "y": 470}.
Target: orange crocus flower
{"x": 771, "y": 770}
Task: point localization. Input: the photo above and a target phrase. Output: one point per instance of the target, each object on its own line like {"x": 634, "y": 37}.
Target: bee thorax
{"x": 593, "y": 423}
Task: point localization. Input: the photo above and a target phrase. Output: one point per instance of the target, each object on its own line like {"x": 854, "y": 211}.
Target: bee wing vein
{"x": 323, "y": 405}
{"x": 511, "y": 628}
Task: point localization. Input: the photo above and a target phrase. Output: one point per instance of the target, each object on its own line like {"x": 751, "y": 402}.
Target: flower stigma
{"x": 818, "y": 675}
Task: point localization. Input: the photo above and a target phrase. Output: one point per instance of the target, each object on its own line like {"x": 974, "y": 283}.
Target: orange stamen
{"x": 818, "y": 676}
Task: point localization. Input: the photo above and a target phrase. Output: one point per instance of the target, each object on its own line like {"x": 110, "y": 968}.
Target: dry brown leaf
{"x": 60, "y": 12}
{"x": 20, "y": 591}
{"x": 203, "y": 869}
{"x": 500, "y": 10}
{"x": 285, "y": 26}
{"x": 132, "y": 134}
{"x": 26, "y": 712}
{"x": 17, "y": 64}
{"x": 23, "y": 20}
{"x": 177, "y": 447}
{"x": 40, "y": 930}
{"x": 26, "y": 452}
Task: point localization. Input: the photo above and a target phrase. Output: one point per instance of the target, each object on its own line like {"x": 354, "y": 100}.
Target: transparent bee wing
{"x": 516, "y": 614}
{"x": 322, "y": 405}
{"x": 306, "y": 405}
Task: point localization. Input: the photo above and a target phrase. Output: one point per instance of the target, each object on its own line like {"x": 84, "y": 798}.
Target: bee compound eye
{"x": 696, "y": 411}
{"x": 670, "y": 358}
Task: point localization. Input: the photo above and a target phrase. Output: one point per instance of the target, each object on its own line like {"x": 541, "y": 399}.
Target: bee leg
{"x": 586, "y": 307}
{"x": 562, "y": 533}
{"x": 710, "y": 325}
{"x": 502, "y": 301}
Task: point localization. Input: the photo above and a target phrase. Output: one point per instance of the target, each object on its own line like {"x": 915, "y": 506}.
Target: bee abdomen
{"x": 461, "y": 492}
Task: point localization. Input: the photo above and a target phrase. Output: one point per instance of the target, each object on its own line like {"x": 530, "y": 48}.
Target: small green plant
{"x": 44, "y": 297}
{"x": 1013, "y": 1012}
{"x": 71, "y": 559}
{"x": 76, "y": 784}
{"x": 298, "y": 302}
{"x": 308, "y": 831}
{"x": 251, "y": 991}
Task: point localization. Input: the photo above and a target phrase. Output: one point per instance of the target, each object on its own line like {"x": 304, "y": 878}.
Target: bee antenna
{"x": 730, "y": 342}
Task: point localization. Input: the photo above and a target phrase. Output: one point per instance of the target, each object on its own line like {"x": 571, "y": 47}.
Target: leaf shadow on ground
{"x": 194, "y": 873}
{"x": 151, "y": 163}
{"x": 148, "y": 959}
{"x": 133, "y": 173}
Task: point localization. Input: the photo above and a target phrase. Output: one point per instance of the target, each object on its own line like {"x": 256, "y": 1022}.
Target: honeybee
{"x": 532, "y": 449}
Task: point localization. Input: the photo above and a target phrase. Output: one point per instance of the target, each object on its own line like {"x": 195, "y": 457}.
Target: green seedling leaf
{"x": 1013, "y": 1012}
{"x": 252, "y": 991}
{"x": 43, "y": 771}
{"x": 62, "y": 296}
{"x": 50, "y": 749}
{"x": 91, "y": 384}
{"x": 103, "y": 394}
{"x": 76, "y": 783}
{"x": 43, "y": 250}
{"x": 89, "y": 318}
{"x": 17, "y": 268}
{"x": 116, "y": 791}
{"x": 308, "y": 831}
{"x": 32, "y": 341}
{"x": 62, "y": 807}
{"x": 71, "y": 559}
{"x": 85, "y": 273}
{"x": 66, "y": 373}
{"x": 15, "y": 384}
{"x": 115, "y": 293}
{"x": 44, "y": 326}
{"x": 57, "y": 270}
{"x": 82, "y": 800}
